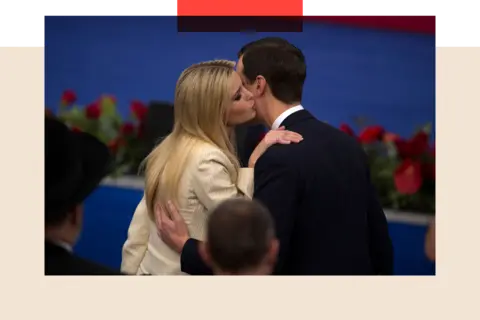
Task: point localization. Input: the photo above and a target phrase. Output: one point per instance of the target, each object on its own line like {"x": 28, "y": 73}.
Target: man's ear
{"x": 204, "y": 253}
{"x": 76, "y": 215}
{"x": 260, "y": 85}
{"x": 273, "y": 251}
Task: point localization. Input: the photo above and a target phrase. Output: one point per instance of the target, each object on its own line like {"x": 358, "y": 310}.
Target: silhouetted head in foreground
{"x": 240, "y": 239}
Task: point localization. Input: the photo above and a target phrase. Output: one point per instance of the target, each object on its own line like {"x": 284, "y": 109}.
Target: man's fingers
{"x": 168, "y": 224}
{"x": 158, "y": 216}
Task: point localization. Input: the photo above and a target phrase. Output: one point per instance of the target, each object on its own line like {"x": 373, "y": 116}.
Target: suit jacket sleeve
{"x": 276, "y": 187}
{"x": 381, "y": 248}
{"x": 135, "y": 246}
{"x": 191, "y": 261}
{"x": 212, "y": 183}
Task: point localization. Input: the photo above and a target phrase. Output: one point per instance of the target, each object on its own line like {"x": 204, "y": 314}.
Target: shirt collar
{"x": 276, "y": 124}
{"x": 63, "y": 245}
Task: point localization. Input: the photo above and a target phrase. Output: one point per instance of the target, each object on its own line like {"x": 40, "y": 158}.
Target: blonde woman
{"x": 196, "y": 165}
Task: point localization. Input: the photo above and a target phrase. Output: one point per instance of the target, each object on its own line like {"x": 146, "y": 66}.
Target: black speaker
{"x": 158, "y": 123}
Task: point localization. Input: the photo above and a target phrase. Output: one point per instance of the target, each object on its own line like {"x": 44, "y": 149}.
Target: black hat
{"x": 75, "y": 164}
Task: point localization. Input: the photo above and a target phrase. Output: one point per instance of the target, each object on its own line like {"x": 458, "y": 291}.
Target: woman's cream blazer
{"x": 208, "y": 179}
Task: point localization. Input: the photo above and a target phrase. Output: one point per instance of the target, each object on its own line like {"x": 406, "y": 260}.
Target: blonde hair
{"x": 200, "y": 115}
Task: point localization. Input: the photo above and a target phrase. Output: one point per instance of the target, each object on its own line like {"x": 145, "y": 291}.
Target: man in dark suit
{"x": 327, "y": 215}
{"x": 75, "y": 163}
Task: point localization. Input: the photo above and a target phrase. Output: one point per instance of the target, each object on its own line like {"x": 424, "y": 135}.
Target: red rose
{"x": 141, "y": 129}
{"x": 139, "y": 110}
{"x": 93, "y": 111}
{"x": 68, "y": 97}
{"x": 414, "y": 147}
{"x": 408, "y": 177}
{"x": 403, "y": 148}
{"x": 115, "y": 144}
{"x": 347, "y": 129}
{"x": 76, "y": 129}
{"x": 127, "y": 128}
{"x": 371, "y": 134}
{"x": 419, "y": 143}
{"x": 428, "y": 170}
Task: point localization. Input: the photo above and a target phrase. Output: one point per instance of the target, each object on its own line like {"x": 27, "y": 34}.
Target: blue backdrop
{"x": 386, "y": 76}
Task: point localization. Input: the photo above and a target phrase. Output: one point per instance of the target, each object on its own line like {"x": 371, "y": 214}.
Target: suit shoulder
{"x": 89, "y": 267}
{"x": 279, "y": 155}
{"x": 71, "y": 265}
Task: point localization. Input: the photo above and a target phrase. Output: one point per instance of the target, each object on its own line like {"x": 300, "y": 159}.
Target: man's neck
{"x": 60, "y": 237}
{"x": 260, "y": 271}
{"x": 275, "y": 109}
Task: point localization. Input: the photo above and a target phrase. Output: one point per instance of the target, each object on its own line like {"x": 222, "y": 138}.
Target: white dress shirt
{"x": 63, "y": 245}
{"x": 276, "y": 124}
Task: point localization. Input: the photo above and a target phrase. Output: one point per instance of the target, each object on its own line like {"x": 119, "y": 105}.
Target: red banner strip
{"x": 239, "y": 8}
{"x": 421, "y": 24}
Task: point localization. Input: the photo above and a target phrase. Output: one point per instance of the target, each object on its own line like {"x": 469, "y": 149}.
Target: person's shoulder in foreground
{"x": 60, "y": 262}
{"x": 75, "y": 163}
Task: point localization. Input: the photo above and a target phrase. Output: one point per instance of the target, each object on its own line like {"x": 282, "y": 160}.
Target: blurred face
{"x": 76, "y": 222}
{"x": 242, "y": 105}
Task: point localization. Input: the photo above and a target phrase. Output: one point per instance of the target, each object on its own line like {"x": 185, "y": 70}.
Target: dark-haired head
{"x": 240, "y": 238}
{"x": 75, "y": 164}
{"x": 271, "y": 42}
{"x": 274, "y": 71}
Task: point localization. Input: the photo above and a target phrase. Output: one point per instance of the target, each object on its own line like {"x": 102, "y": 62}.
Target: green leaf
{"x": 427, "y": 128}
{"x": 108, "y": 107}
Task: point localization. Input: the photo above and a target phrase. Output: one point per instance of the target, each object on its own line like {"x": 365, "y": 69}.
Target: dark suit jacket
{"x": 328, "y": 218}
{"x": 60, "y": 262}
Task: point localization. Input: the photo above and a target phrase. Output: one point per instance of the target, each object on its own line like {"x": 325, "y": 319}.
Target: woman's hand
{"x": 280, "y": 136}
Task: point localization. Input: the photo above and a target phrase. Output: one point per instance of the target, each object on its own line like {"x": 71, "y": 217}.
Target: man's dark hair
{"x": 280, "y": 63}
{"x": 239, "y": 234}
{"x": 271, "y": 42}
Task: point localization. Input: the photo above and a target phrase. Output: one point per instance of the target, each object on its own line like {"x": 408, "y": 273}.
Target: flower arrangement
{"x": 402, "y": 170}
{"x": 101, "y": 119}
